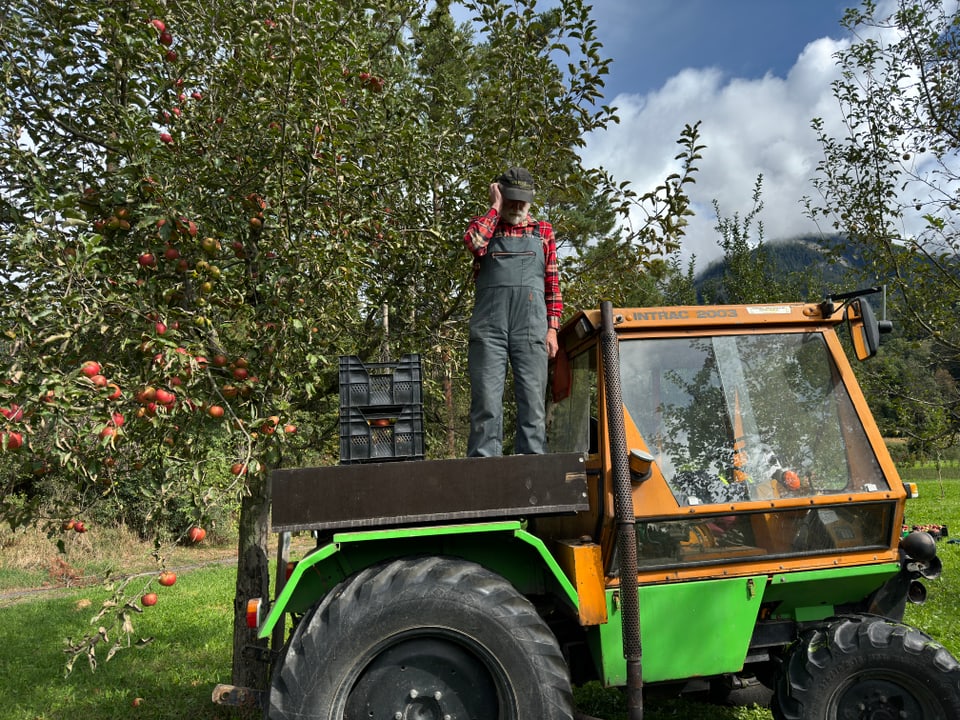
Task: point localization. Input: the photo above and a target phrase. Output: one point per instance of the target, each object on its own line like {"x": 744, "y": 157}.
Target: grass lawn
{"x": 191, "y": 627}
{"x": 940, "y": 616}
{"x": 174, "y": 675}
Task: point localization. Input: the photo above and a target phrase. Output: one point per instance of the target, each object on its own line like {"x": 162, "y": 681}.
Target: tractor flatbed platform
{"x": 366, "y": 495}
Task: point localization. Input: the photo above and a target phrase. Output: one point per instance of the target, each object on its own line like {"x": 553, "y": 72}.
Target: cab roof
{"x": 704, "y": 316}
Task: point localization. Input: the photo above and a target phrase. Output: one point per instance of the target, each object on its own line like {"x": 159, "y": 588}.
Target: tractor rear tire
{"x": 424, "y": 637}
{"x": 867, "y": 668}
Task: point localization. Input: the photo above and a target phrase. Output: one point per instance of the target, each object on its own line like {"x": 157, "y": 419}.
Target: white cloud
{"x": 750, "y": 127}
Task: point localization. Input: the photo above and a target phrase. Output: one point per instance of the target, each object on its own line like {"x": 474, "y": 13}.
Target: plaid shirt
{"x": 481, "y": 232}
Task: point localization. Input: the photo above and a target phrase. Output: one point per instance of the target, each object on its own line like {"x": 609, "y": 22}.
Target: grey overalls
{"x": 509, "y": 322}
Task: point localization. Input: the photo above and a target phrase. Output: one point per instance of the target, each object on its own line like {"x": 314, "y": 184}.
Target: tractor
{"x": 717, "y": 504}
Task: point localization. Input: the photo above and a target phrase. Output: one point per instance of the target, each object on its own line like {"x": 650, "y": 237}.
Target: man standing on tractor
{"x": 515, "y": 316}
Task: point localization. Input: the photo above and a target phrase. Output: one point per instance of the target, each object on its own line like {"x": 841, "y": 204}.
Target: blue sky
{"x": 652, "y": 40}
{"x": 754, "y": 73}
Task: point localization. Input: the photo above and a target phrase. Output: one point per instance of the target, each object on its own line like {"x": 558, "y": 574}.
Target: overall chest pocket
{"x": 508, "y": 267}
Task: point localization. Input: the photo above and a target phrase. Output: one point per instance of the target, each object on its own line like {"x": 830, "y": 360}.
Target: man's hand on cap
{"x": 496, "y": 199}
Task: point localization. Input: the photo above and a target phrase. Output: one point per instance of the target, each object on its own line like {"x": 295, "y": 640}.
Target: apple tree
{"x": 890, "y": 182}
{"x": 183, "y": 208}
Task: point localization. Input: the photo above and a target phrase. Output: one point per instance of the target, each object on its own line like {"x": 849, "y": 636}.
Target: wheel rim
{"x": 881, "y": 696}
{"x": 433, "y": 675}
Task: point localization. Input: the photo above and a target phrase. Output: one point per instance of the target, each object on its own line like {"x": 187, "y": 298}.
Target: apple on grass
{"x": 11, "y": 440}
{"x": 14, "y": 413}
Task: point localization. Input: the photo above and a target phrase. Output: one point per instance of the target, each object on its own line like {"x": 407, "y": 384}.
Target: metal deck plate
{"x": 426, "y": 491}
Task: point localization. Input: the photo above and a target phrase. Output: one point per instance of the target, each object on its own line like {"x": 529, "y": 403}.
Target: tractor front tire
{"x": 425, "y": 637}
{"x": 867, "y": 668}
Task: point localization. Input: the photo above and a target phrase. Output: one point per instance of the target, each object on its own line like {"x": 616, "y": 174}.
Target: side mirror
{"x": 864, "y": 328}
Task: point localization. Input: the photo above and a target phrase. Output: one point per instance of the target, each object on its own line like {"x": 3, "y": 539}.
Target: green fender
{"x": 503, "y": 547}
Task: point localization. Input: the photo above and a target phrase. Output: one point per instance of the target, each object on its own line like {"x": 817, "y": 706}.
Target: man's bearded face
{"x": 514, "y": 212}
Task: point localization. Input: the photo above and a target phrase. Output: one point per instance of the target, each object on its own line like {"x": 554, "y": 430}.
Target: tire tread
{"x": 296, "y": 672}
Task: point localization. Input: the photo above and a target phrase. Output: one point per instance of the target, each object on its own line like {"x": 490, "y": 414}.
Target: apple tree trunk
{"x": 253, "y": 580}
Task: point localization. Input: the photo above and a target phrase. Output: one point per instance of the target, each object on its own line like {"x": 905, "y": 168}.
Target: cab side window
{"x": 572, "y": 420}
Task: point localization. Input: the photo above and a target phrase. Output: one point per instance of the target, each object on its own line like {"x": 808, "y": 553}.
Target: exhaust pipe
{"x": 625, "y": 516}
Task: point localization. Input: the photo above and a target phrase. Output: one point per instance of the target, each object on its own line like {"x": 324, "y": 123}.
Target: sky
{"x": 753, "y": 72}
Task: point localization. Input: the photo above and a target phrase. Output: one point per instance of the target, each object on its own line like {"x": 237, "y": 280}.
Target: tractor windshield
{"x": 746, "y": 417}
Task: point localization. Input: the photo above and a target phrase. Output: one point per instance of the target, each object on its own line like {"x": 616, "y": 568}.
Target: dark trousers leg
{"x": 528, "y": 358}
{"x": 487, "y": 363}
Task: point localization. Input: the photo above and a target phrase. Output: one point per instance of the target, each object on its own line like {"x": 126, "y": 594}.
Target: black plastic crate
{"x": 382, "y": 433}
{"x": 368, "y": 384}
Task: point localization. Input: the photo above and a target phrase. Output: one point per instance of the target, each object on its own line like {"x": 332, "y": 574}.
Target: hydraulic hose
{"x": 625, "y": 517}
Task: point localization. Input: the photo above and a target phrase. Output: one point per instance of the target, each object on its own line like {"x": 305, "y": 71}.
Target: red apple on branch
{"x": 167, "y": 578}
{"x": 149, "y": 599}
